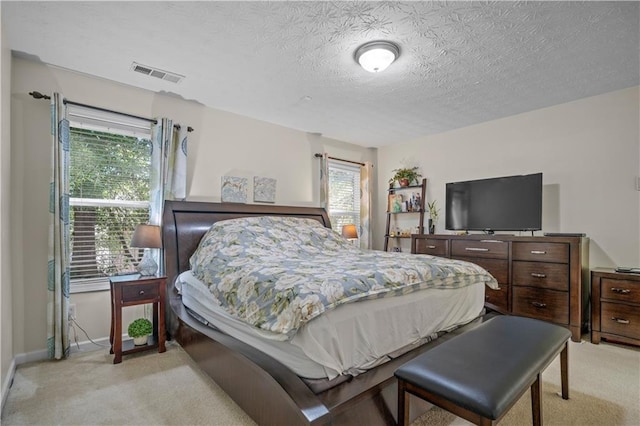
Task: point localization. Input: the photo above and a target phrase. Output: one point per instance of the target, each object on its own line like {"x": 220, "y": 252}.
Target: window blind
{"x": 344, "y": 194}
{"x": 110, "y": 178}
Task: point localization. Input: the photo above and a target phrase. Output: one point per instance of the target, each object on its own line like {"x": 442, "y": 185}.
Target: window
{"x": 109, "y": 189}
{"x": 344, "y": 194}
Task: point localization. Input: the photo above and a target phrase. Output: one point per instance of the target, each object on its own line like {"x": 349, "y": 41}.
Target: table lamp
{"x": 147, "y": 237}
{"x": 350, "y": 232}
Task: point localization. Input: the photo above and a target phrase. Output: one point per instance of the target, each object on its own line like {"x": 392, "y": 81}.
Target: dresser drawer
{"x": 622, "y": 290}
{"x": 498, "y": 298}
{"x": 541, "y": 252}
{"x": 544, "y": 304}
{"x": 541, "y": 274}
{"x": 136, "y": 292}
{"x": 431, "y": 246}
{"x": 620, "y": 319}
{"x": 496, "y": 267}
{"x": 480, "y": 248}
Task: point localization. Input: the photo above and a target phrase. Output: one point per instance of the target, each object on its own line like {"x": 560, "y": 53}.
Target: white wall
{"x": 6, "y": 324}
{"x": 588, "y": 151}
{"x": 222, "y": 144}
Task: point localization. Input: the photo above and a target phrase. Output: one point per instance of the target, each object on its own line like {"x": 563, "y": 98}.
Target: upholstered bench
{"x": 481, "y": 374}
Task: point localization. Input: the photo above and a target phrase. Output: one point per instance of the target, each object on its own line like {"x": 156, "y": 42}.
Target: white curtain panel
{"x": 59, "y": 238}
{"x": 366, "y": 172}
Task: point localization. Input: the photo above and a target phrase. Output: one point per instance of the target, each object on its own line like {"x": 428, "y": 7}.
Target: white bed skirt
{"x": 351, "y": 338}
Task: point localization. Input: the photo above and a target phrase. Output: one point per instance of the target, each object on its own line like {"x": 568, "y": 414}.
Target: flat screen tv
{"x": 509, "y": 203}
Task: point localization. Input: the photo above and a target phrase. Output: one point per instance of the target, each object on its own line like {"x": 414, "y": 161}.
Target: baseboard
{"x": 39, "y": 355}
{"x": 88, "y": 346}
{"x": 8, "y": 380}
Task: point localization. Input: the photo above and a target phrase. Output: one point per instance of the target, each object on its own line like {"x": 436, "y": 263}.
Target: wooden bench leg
{"x": 564, "y": 370}
{"x": 403, "y": 405}
{"x": 536, "y": 402}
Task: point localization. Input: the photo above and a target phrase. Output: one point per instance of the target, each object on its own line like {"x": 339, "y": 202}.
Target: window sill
{"x": 88, "y": 285}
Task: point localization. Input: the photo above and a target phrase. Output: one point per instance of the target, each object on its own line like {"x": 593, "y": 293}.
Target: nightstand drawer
{"x": 620, "y": 290}
{"x": 541, "y": 252}
{"x": 540, "y": 274}
{"x": 547, "y": 305}
{"x": 431, "y": 246}
{"x": 136, "y": 292}
{"x": 620, "y": 319}
{"x": 480, "y": 248}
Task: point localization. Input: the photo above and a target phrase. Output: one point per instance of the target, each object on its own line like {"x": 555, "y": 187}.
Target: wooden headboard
{"x": 185, "y": 222}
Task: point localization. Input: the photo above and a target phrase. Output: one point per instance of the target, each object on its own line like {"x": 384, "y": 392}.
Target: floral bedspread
{"x": 277, "y": 273}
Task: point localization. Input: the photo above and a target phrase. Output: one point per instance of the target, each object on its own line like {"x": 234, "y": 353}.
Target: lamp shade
{"x": 349, "y": 231}
{"x": 376, "y": 56}
{"x": 146, "y": 236}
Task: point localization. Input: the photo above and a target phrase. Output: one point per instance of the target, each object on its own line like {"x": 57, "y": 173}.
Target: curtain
{"x": 366, "y": 172}
{"x": 169, "y": 166}
{"x": 59, "y": 238}
{"x": 169, "y": 170}
{"x": 324, "y": 182}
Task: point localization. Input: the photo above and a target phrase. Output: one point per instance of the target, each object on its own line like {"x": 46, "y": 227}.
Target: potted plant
{"x": 434, "y": 212}
{"x": 405, "y": 176}
{"x": 140, "y": 329}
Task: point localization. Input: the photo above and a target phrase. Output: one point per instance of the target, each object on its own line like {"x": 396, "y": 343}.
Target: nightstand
{"x": 136, "y": 291}
{"x": 615, "y": 306}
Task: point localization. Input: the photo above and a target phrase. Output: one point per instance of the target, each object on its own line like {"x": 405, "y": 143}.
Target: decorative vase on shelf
{"x": 139, "y": 341}
{"x": 432, "y": 227}
{"x": 404, "y": 182}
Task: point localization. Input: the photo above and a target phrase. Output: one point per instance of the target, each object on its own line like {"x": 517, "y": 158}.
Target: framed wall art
{"x": 264, "y": 190}
{"x": 234, "y": 189}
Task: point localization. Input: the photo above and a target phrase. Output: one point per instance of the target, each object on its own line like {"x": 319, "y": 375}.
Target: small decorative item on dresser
{"x": 139, "y": 330}
{"x": 434, "y": 212}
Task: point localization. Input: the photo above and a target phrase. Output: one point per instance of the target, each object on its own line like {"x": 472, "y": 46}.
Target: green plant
{"x": 140, "y": 327}
{"x": 434, "y": 211}
{"x": 411, "y": 174}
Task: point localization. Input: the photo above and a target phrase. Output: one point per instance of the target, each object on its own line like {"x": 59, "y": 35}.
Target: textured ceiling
{"x": 291, "y": 63}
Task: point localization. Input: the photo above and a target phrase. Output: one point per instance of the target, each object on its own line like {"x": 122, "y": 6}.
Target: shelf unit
{"x": 392, "y": 216}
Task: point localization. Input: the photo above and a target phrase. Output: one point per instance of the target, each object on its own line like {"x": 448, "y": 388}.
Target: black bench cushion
{"x": 486, "y": 369}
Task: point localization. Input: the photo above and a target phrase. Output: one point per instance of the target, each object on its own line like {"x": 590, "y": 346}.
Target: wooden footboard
{"x": 266, "y": 390}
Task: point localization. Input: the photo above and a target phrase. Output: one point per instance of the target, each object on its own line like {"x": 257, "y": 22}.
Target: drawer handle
{"x": 536, "y": 275}
{"x": 620, "y": 320}
{"x": 431, "y": 247}
{"x": 620, "y": 290}
{"x": 538, "y": 252}
{"x": 141, "y": 293}
{"x": 539, "y": 305}
{"x": 476, "y": 249}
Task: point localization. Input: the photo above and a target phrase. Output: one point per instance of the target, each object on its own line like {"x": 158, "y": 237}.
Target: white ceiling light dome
{"x": 376, "y": 56}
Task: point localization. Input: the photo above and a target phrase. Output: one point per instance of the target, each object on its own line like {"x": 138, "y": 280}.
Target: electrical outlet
{"x": 72, "y": 311}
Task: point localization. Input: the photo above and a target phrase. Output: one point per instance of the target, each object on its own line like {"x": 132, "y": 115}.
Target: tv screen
{"x": 510, "y": 203}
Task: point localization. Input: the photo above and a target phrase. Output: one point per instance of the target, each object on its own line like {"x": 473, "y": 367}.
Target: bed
{"x": 267, "y": 383}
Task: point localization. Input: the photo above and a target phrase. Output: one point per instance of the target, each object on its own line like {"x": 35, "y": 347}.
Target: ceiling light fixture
{"x": 376, "y": 56}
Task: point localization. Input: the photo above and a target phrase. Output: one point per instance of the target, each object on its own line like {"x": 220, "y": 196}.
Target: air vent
{"x": 157, "y": 73}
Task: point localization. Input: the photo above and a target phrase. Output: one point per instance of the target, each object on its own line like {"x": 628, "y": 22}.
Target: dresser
{"x": 539, "y": 277}
{"x": 615, "y": 311}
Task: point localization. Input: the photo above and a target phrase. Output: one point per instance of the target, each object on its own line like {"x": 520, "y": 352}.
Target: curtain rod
{"x": 318, "y": 155}
{"x": 38, "y": 95}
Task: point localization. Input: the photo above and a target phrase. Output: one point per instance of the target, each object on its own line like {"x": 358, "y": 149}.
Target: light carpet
{"x": 169, "y": 389}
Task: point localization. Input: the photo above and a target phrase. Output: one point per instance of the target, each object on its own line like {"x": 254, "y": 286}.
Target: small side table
{"x": 615, "y": 306}
{"x": 130, "y": 292}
